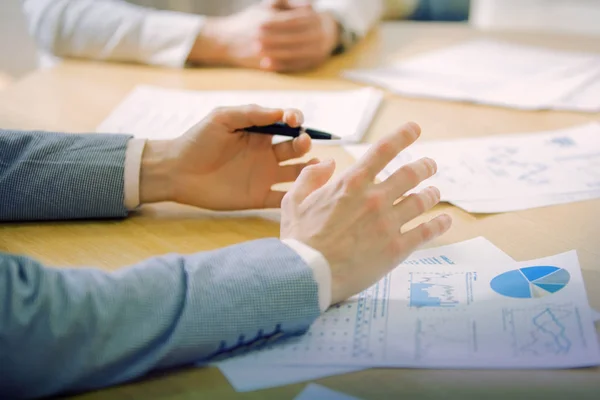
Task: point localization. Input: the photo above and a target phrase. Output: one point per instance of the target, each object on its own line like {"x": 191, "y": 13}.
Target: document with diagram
{"x": 532, "y": 314}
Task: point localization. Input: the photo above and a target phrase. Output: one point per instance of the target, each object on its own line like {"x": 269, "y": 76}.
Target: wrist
{"x": 210, "y": 47}
{"x": 156, "y": 172}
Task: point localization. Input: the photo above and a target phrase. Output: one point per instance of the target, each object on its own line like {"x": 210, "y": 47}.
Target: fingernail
{"x": 435, "y": 192}
{"x": 446, "y": 220}
{"x": 413, "y": 128}
{"x": 432, "y": 164}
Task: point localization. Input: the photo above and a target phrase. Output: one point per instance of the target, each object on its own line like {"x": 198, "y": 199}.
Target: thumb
{"x": 312, "y": 178}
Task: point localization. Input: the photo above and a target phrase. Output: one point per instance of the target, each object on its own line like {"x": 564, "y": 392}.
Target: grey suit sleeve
{"x": 50, "y": 176}
{"x": 67, "y": 330}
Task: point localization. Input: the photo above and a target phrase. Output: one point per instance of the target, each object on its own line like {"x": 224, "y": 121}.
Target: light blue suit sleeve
{"x": 64, "y": 330}
{"x": 69, "y": 330}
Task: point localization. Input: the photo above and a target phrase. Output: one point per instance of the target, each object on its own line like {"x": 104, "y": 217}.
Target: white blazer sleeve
{"x": 112, "y": 30}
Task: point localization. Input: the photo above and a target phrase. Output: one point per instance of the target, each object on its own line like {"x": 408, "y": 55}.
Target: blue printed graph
{"x": 531, "y": 282}
{"x": 550, "y": 330}
{"x": 441, "y": 289}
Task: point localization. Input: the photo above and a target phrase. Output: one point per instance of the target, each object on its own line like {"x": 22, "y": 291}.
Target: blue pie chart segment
{"x": 530, "y": 282}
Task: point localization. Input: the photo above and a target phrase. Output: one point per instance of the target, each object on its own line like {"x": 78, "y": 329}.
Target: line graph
{"x": 552, "y": 330}
{"x": 437, "y": 289}
{"x": 504, "y": 162}
{"x": 445, "y": 338}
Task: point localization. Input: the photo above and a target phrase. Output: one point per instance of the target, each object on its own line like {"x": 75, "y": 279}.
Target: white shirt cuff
{"x": 320, "y": 267}
{"x": 133, "y": 164}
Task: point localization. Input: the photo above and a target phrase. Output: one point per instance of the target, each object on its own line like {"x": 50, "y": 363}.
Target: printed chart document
{"x": 159, "y": 113}
{"x": 496, "y": 73}
{"x": 510, "y": 172}
{"x": 244, "y": 377}
{"x": 318, "y": 392}
{"x": 517, "y": 315}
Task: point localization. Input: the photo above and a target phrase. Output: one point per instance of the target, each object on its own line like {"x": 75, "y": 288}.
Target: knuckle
{"x": 411, "y": 175}
{"x": 353, "y": 181}
{"x": 218, "y": 113}
{"x": 375, "y": 202}
{"x": 385, "y": 149}
{"x": 426, "y": 232}
{"x": 421, "y": 202}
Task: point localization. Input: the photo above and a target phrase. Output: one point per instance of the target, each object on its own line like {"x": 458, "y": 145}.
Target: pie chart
{"x": 530, "y": 282}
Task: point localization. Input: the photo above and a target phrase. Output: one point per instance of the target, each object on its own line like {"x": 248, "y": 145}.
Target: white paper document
{"x": 441, "y": 314}
{"x": 496, "y": 73}
{"x": 318, "y": 392}
{"x": 160, "y": 113}
{"x": 509, "y": 172}
{"x": 244, "y": 377}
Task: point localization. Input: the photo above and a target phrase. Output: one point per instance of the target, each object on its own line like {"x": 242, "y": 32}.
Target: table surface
{"x": 76, "y": 96}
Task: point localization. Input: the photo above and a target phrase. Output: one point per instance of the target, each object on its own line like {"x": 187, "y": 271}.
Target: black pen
{"x": 283, "y": 129}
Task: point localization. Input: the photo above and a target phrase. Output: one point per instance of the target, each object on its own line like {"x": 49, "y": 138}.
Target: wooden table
{"x": 77, "y": 96}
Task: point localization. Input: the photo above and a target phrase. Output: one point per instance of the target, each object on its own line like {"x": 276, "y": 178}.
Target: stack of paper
{"x": 462, "y": 305}
{"x": 496, "y": 73}
{"x": 160, "y": 113}
{"x": 510, "y": 172}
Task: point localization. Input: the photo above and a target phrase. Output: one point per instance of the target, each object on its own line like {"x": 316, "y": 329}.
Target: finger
{"x": 234, "y": 118}
{"x": 416, "y": 204}
{"x": 294, "y": 65}
{"x": 384, "y": 151}
{"x": 289, "y": 21}
{"x": 302, "y": 52}
{"x": 294, "y": 148}
{"x": 311, "y": 178}
{"x": 271, "y": 42}
{"x": 408, "y": 177}
{"x": 416, "y": 237}
{"x": 289, "y": 173}
{"x": 293, "y": 117}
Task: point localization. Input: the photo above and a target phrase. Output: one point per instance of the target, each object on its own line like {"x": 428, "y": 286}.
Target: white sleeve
{"x": 320, "y": 268}
{"x": 112, "y": 30}
{"x": 357, "y": 16}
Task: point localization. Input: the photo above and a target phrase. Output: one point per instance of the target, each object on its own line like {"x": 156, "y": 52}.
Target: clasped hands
{"x": 274, "y": 35}
{"x": 354, "y": 222}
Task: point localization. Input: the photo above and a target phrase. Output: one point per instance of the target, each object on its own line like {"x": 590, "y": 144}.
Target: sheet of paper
{"x": 524, "y": 203}
{"x": 532, "y": 314}
{"x": 246, "y": 377}
{"x": 495, "y": 73}
{"x": 318, "y": 392}
{"x": 161, "y": 113}
{"x": 508, "y": 168}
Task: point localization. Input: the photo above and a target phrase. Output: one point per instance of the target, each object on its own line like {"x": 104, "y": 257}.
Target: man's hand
{"x": 355, "y": 223}
{"x": 215, "y": 166}
{"x": 275, "y": 35}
